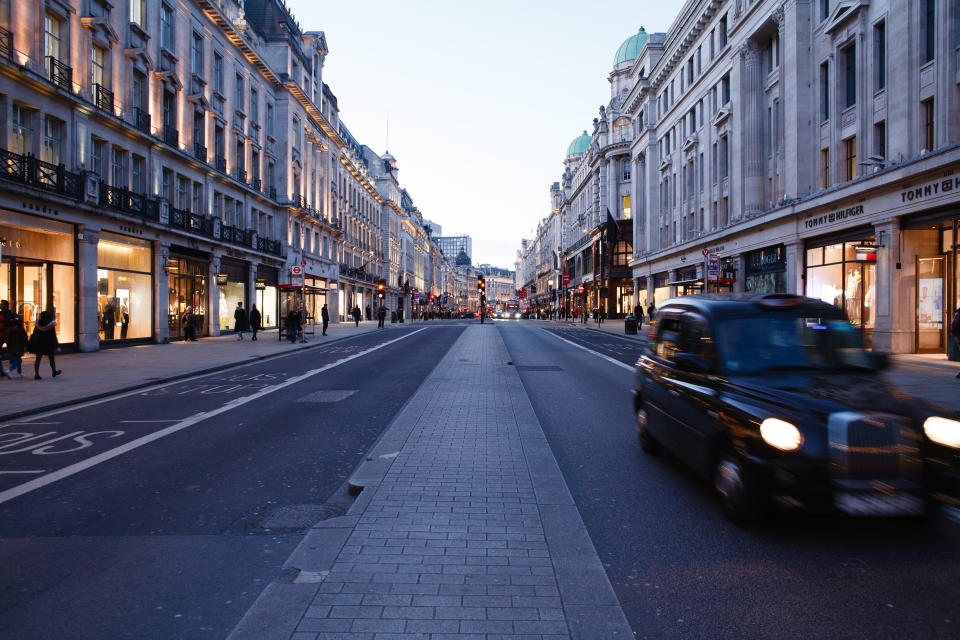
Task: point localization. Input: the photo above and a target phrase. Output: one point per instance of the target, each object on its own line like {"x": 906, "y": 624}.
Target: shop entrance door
{"x": 930, "y": 330}
{"x": 31, "y": 292}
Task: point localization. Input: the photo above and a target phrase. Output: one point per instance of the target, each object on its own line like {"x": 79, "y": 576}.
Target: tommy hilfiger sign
{"x": 833, "y": 217}
{"x": 930, "y": 190}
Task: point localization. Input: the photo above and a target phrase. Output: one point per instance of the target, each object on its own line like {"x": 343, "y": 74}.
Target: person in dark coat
{"x": 293, "y": 325}
{"x": 651, "y": 311}
{"x": 954, "y": 353}
{"x": 6, "y": 321}
{"x": 109, "y": 320}
{"x": 255, "y": 321}
{"x": 43, "y": 342}
{"x": 240, "y": 320}
{"x": 325, "y": 318}
{"x": 357, "y": 315}
{"x": 16, "y": 339}
{"x": 381, "y": 316}
{"x": 189, "y": 323}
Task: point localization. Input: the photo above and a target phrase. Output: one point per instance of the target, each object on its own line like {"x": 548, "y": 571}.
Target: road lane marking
{"x": 596, "y": 353}
{"x": 83, "y": 465}
{"x": 143, "y": 391}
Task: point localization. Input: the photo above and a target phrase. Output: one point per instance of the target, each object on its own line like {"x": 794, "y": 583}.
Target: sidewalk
{"x": 87, "y": 376}
{"x": 464, "y": 528}
{"x": 928, "y": 376}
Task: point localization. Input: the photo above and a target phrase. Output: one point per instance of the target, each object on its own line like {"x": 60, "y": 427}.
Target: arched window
{"x": 621, "y": 130}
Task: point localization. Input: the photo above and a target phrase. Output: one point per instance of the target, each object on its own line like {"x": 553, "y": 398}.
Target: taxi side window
{"x": 695, "y": 336}
{"x": 667, "y": 341}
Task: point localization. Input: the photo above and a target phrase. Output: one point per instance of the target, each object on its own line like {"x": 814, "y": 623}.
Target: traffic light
{"x": 381, "y": 286}
{"x": 481, "y": 283}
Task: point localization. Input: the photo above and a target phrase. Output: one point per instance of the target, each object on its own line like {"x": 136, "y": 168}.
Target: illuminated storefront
{"x": 232, "y": 288}
{"x": 38, "y": 271}
{"x": 124, "y": 288}
{"x": 187, "y": 281}
{"x": 766, "y": 270}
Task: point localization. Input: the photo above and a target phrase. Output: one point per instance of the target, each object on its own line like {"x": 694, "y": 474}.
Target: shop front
{"x": 37, "y": 271}
{"x": 661, "y": 289}
{"x": 232, "y": 288}
{"x": 124, "y": 288}
{"x": 688, "y": 282}
{"x": 765, "y": 270}
{"x": 187, "y": 281}
{"x": 842, "y": 270}
{"x": 936, "y": 263}
{"x": 266, "y": 295}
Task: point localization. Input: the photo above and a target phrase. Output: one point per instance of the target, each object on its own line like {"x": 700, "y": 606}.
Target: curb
{"x": 165, "y": 380}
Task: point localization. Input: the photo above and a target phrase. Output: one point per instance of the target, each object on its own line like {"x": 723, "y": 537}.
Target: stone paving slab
{"x": 464, "y": 529}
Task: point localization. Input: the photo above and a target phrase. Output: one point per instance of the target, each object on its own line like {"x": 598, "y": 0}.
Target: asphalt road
{"x": 180, "y": 502}
{"x": 678, "y": 567}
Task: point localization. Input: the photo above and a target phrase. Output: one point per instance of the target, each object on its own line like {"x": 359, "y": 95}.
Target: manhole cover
{"x": 532, "y": 367}
{"x": 328, "y": 395}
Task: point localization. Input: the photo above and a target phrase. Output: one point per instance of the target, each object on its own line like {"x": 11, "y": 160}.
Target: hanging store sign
{"x": 221, "y": 279}
{"x": 260, "y": 283}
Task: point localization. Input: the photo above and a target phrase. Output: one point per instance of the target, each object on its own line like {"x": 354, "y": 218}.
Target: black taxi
{"x": 775, "y": 400}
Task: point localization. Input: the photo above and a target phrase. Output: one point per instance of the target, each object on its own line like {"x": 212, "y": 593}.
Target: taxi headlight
{"x": 943, "y": 431}
{"x": 780, "y": 434}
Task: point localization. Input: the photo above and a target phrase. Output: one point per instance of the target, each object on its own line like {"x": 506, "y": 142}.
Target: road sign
{"x": 303, "y": 263}
{"x": 566, "y": 278}
{"x": 705, "y": 252}
{"x": 296, "y": 270}
{"x": 713, "y": 267}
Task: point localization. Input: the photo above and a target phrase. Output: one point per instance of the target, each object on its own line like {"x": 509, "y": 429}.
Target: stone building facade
{"x": 811, "y": 147}
{"x": 173, "y": 154}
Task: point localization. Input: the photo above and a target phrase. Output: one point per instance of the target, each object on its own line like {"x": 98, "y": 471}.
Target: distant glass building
{"x": 453, "y": 246}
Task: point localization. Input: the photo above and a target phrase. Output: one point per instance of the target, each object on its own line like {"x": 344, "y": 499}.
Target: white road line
{"x": 149, "y": 421}
{"x": 596, "y": 353}
{"x": 66, "y": 472}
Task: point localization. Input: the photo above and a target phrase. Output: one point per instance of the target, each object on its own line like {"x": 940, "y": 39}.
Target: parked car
{"x": 776, "y": 401}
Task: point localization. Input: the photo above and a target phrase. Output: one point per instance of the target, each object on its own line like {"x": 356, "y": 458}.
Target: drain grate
{"x": 299, "y": 516}
{"x": 532, "y": 367}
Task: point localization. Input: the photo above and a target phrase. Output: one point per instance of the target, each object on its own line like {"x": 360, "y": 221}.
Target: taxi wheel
{"x": 648, "y": 443}
{"x": 734, "y": 490}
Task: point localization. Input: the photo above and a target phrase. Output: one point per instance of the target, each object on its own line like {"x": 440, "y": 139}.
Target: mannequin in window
{"x": 109, "y": 320}
{"x": 124, "y": 321}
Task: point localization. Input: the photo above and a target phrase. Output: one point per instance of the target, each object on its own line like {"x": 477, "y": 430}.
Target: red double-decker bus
{"x": 512, "y": 309}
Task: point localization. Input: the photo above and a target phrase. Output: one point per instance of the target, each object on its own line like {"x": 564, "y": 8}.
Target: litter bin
{"x": 393, "y": 317}
{"x": 630, "y": 325}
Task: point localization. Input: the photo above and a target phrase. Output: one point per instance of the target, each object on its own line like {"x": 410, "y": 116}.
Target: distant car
{"x": 776, "y": 401}
{"x": 498, "y": 313}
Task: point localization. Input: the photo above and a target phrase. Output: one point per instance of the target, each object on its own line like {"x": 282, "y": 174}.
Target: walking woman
{"x": 43, "y": 342}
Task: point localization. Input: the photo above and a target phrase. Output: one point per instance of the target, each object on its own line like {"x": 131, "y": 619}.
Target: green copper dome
{"x": 579, "y": 145}
{"x": 631, "y": 47}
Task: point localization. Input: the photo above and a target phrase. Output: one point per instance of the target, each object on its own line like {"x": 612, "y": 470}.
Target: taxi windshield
{"x": 781, "y": 342}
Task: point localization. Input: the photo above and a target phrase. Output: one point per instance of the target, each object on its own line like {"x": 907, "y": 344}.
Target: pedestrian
{"x": 16, "y": 339}
{"x": 302, "y": 324}
{"x": 324, "y": 317}
{"x": 255, "y": 321}
{"x": 293, "y": 325}
{"x": 381, "y": 316}
{"x": 189, "y": 323}
{"x": 651, "y": 311}
{"x": 43, "y": 342}
{"x": 368, "y": 316}
{"x": 6, "y": 320}
{"x": 638, "y": 314}
{"x": 356, "y": 315}
{"x": 240, "y": 320}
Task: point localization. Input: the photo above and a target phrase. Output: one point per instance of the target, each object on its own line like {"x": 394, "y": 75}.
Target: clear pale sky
{"x": 483, "y": 98}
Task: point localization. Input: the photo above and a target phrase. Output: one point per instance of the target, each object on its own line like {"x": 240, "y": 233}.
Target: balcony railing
{"x": 242, "y": 175}
{"x": 199, "y": 152}
{"x": 28, "y": 170}
{"x": 183, "y": 219}
{"x": 59, "y": 73}
{"x": 273, "y": 193}
{"x": 257, "y": 184}
{"x": 141, "y": 120}
{"x": 269, "y": 246}
{"x": 171, "y": 136}
{"x": 220, "y": 164}
{"x": 299, "y": 202}
{"x": 103, "y": 98}
{"x": 6, "y": 44}
{"x": 235, "y": 235}
{"x": 122, "y": 199}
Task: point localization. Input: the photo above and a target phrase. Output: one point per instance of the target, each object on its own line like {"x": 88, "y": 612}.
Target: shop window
{"x": 124, "y": 287}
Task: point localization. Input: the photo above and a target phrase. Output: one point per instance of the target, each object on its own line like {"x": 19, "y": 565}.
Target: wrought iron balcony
{"x": 103, "y": 98}
{"x": 28, "y": 170}
{"x": 122, "y": 199}
{"x": 257, "y": 184}
{"x": 298, "y": 201}
{"x": 273, "y": 193}
{"x": 141, "y": 120}
{"x": 199, "y": 152}
{"x": 6, "y": 44}
{"x": 59, "y": 73}
{"x": 171, "y": 136}
{"x": 197, "y": 223}
{"x": 241, "y": 175}
{"x": 269, "y": 246}
{"x": 220, "y": 164}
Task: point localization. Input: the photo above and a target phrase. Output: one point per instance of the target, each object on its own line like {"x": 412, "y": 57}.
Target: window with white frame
{"x": 118, "y": 168}
{"x": 196, "y": 66}
{"x": 21, "y": 141}
{"x": 138, "y": 12}
{"x": 137, "y": 173}
{"x": 166, "y": 26}
{"x": 52, "y": 140}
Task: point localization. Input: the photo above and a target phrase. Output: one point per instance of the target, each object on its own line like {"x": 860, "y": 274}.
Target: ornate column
{"x": 161, "y": 294}
{"x": 88, "y": 334}
{"x": 752, "y": 117}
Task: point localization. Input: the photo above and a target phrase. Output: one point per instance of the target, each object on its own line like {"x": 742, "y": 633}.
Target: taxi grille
{"x": 865, "y": 446}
